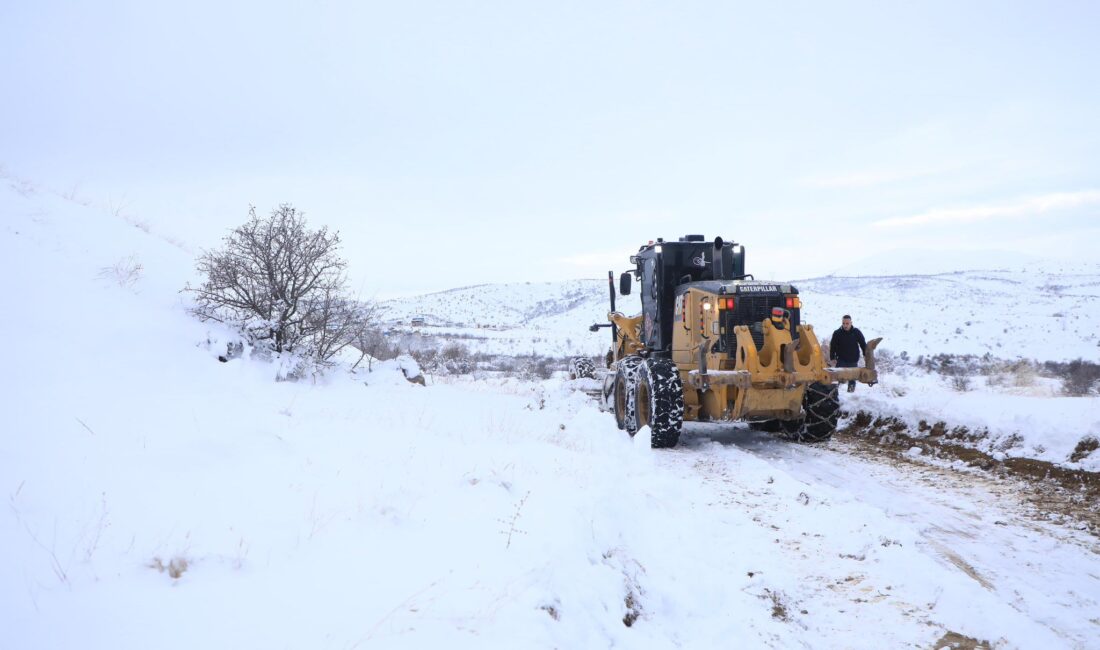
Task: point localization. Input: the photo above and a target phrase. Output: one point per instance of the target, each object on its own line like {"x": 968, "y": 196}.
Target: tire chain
{"x": 822, "y": 407}
{"x": 628, "y": 372}
{"x": 666, "y": 410}
{"x": 581, "y": 368}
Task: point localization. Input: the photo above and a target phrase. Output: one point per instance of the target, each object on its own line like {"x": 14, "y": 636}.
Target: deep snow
{"x": 364, "y": 511}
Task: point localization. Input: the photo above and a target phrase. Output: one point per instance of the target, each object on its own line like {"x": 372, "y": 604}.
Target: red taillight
{"x": 793, "y": 302}
{"x": 730, "y": 303}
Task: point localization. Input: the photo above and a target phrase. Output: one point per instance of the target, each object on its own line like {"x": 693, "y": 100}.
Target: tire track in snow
{"x": 973, "y": 525}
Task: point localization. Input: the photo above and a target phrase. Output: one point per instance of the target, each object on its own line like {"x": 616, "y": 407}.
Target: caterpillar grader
{"x": 712, "y": 343}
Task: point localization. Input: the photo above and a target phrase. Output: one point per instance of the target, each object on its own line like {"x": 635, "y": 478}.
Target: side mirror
{"x": 624, "y": 284}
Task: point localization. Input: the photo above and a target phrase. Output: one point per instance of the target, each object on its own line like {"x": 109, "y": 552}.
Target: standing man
{"x": 846, "y": 346}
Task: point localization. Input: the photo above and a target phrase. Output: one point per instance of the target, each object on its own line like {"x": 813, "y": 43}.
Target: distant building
{"x": 417, "y": 320}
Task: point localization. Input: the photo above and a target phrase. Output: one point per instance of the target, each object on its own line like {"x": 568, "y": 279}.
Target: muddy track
{"x": 1067, "y": 496}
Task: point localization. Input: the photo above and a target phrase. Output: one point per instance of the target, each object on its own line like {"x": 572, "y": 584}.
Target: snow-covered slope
{"x": 159, "y": 499}
{"x": 1042, "y": 311}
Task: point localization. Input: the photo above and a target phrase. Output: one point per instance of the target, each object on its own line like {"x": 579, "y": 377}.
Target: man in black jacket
{"x": 846, "y": 346}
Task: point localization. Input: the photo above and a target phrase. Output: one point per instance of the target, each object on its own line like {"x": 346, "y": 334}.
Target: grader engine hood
{"x": 740, "y": 302}
{"x": 748, "y": 335}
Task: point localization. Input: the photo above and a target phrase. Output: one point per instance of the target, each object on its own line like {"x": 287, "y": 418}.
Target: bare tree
{"x": 281, "y": 284}
{"x": 338, "y": 322}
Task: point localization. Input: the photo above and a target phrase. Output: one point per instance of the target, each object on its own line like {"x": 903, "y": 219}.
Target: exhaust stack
{"x": 716, "y": 263}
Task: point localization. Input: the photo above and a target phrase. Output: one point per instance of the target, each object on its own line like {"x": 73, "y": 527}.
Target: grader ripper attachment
{"x": 712, "y": 343}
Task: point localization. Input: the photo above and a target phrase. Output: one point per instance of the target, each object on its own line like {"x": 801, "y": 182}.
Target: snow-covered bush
{"x": 374, "y": 345}
{"x": 426, "y": 358}
{"x": 454, "y": 352}
{"x": 455, "y": 359}
{"x": 1078, "y": 376}
{"x": 410, "y": 369}
{"x": 283, "y": 286}
{"x": 537, "y": 367}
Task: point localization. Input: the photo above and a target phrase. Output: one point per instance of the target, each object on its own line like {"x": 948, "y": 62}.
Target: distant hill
{"x": 926, "y": 262}
{"x": 1041, "y": 310}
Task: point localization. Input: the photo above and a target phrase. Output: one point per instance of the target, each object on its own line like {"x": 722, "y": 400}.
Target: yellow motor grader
{"x": 712, "y": 343}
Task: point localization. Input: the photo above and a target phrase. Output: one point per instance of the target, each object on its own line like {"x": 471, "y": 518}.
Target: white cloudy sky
{"x": 456, "y": 142}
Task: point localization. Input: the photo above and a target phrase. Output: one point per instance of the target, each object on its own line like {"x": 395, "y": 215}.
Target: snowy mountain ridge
{"x": 1044, "y": 311}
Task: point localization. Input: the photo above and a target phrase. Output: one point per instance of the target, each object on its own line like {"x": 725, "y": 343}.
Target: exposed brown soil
{"x": 957, "y": 641}
{"x": 1050, "y": 488}
{"x": 1083, "y": 449}
{"x": 633, "y": 611}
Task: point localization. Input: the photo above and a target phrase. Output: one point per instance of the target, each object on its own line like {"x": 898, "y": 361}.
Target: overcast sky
{"x": 455, "y": 143}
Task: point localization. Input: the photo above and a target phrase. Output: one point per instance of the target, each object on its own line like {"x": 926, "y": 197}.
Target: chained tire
{"x": 661, "y": 402}
{"x": 625, "y": 391}
{"x": 821, "y": 405}
{"x": 581, "y": 368}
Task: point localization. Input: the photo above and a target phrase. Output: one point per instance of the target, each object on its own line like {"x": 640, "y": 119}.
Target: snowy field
{"x": 160, "y": 499}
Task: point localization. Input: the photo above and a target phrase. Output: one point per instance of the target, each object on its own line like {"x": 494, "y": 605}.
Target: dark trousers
{"x": 848, "y": 364}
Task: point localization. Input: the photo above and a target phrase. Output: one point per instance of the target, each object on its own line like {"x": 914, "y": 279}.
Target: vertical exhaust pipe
{"x": 717, "y": 268}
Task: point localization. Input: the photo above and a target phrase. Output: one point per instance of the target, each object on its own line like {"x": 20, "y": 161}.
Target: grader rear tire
{"x": 625, "y": 393}
{"x": 822, "y": 409}
{"x": 581, "y": 368}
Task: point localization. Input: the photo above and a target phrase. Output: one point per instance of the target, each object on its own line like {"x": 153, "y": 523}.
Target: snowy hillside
{"x": 1042, "y": 311}
{"x": 157, "y": 498}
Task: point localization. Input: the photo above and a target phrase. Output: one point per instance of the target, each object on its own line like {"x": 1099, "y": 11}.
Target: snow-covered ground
{"x": 158, "y": 498}
{"x": 1033, "y": 421}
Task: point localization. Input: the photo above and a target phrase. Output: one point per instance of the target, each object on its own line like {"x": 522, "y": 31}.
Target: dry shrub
{"x": 125, "y": 272}
{"x": 1079, "y": 376}
{"x": 175, "y": 568}
{"x": 1023, "y": 374}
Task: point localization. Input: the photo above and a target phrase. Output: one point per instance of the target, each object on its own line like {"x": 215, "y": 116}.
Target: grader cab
{"x": 712, "y": 343}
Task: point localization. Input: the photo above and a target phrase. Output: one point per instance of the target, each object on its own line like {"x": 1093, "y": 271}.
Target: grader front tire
{"x": 821, "y": 405}
{"x": 662, "y": 394}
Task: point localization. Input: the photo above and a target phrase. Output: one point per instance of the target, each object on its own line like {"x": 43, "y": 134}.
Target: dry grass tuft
{"x": 175, "y": 568}
{"x": 125, "y": 272}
